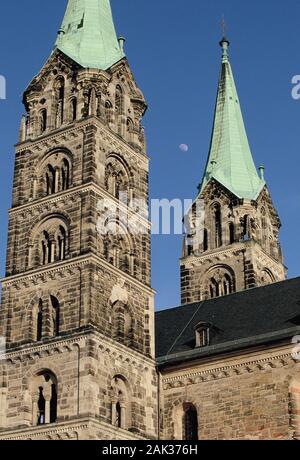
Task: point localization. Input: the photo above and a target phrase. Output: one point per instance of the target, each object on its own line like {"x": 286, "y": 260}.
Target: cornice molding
{"x": 67, "y": 428}
{"x": 219, "y": 252}
{"x": 61, "y": 135}
{"x": 80, "y": 261}
{"x": 249, "y": 366}
{"x": 105, "y": 345}
{"x": 70, "y": 193}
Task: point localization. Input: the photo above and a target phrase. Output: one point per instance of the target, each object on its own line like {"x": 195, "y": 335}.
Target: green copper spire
{"x": 88, "y": 35}
{"x": 230, "y": 160}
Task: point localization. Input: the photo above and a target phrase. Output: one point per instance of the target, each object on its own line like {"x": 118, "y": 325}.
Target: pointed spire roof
{"x": 88, "y": 34}
{"x": 230, "y": 161}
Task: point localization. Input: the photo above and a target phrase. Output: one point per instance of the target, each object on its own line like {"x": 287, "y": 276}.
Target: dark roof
{"x": 257, "y": 316}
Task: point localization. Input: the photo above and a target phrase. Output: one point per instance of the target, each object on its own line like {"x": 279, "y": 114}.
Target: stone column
{"x": 113, "y": 412}
{"x": 57, "y": 178}
{"x": 30, "y": 250}
{"x": 123, "y": 415}
{"x": 52, "y": 243}
{"x": 35, "y": 399}
{"x": 130, "y": 197}
{"x": 131, "y": 264}
{"x": 34, "y": 187}
{"x": 47, "y": 396}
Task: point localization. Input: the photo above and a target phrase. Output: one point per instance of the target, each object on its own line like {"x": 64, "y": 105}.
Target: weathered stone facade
{"x": 238, "y": 248}
{"x": 253, "y": 395}
{"x": 85, "y": 367}
{"x": 77, "y": 306}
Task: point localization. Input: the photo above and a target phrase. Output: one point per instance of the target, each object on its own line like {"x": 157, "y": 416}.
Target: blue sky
{"x": 172, "y": 46}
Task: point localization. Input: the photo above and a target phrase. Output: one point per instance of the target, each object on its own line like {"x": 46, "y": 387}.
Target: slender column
{"x": 52, "y": 255}
{"x": 35, "y": 399}
{"x": 47, "y": 410}
{"x": 131, "y": 264}
{"x": 57, "y": 178}
{"x": 123, "y": 415}
{"x": 47, "y": 396}
{"x": 114, "y": 412}
{"x": 30, "y": 249}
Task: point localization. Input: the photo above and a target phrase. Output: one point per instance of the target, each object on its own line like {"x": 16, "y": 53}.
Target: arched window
{"x": 264, "y": 229}
{"x": 190, "y": 423}
{"x": 267, "y": 277}
{"x": 122, "y": 324}
{"x": 74, "y": 109}
{"x": 217, "y": 217}
{"x": 47, "y": 249}
{"x": 61, "y": 243}
{"x": 125, "y": 262}
{"x": 50, "y": 180}
{"x": 130, "y": 129}
{"x": 55, "y": 316}
{"x": 221, "y": 282}
{"x": 245, "y": 229}
{"x": 43, "y": 121}
{"x": 214, "y": 288}
{"x": 39, "y": 322}
{"x": 205, "y": 240}
{"x": 108, "y": 112}
{"x": 119, "y": 108}
{"x": 49, "y": 242}
{"x": 227, "y": 284}
{"x": 41, "y": 418}
{"x": 98, "y": 105}
{"x": 118, "y": 415}
{"x": 44, "y": 397}
{"x": 231, "y": 233}
{"x": 202, "y": 334}
{"x": 118, "y": 248}
{"x": 60, "y": 98}
{"x": 53, "y": 404}
{"x": 110, "y": 250}
{"x": 65, "y": 174}
{"x": 119, "y": 100}
{"x": 55, "y": 175}
{"x": 121, "y": 410}
{"x": 117, "y": 179}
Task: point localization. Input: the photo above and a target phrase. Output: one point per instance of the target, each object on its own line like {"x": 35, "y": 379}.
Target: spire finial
{"x": 223, "y": 26}
{"x": 224, "y": 43}
{"x": 262, "y": 172}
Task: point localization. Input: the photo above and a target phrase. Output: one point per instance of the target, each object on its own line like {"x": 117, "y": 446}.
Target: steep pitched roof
{"x": 88, "y": 35}
{"x": 258, "y": 316}
{"x": 230, "y": 160}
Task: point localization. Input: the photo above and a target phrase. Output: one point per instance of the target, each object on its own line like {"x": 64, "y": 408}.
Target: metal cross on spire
{"x": 223, "y": 26}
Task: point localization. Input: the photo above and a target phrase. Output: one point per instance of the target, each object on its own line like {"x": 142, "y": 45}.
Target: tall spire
{"x": 230, "y": 160}
{"x": 88, "y": 35}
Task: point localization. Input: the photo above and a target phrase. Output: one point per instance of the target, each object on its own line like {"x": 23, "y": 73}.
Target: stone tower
{"x": 77, "y": 306}
{"x": 234, "y": 228}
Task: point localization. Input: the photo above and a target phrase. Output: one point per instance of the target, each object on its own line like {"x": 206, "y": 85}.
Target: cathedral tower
{"x": 234, "y": 228}
{"x": 77, "y": 306}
